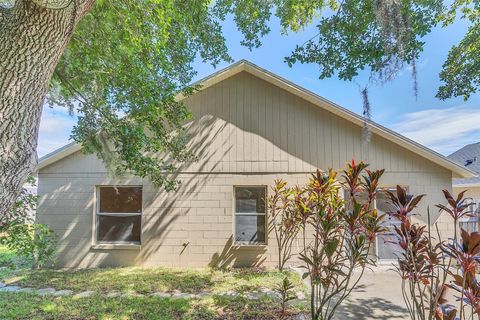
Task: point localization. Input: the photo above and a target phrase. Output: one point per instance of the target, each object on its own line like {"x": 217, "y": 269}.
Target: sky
{"x": 444, "y": 126}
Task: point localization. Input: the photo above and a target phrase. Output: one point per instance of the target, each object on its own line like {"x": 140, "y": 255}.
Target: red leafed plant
{"x": 338, "y": 234}
{"x": 457, "y": 208}
{"x": 285, "y": 218}
{"x": 467, "y": 256}
{"x": 429, "y": 266}
{"x": 342, "y": 234}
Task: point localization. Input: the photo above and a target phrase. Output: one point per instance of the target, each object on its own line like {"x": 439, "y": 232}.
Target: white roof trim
{"x": 58, "y": 154}
{"x": 465, "y": 185}
{"x": 243, "y": 65}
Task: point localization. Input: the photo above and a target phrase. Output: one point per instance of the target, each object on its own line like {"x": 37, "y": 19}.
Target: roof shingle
{"x": 469, "y": 157}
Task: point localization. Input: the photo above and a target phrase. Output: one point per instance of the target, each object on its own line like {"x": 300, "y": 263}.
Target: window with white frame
{"x": 471, "y": 223}
{"x": 250, "y": 214}
{"x": 119, "y": 214}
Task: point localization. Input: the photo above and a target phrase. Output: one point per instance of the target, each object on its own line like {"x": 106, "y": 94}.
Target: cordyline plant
{"x": 342, "y": 234}
{"x": 467, "y": 256}
{"x": 425, "y": 262}
{"x": 285, "y": 290}
{"x": 284, "y": 218}
{"x": 457, "y": 208}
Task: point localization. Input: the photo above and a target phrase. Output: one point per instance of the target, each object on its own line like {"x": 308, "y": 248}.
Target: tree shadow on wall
{"x": 238, "y": 256}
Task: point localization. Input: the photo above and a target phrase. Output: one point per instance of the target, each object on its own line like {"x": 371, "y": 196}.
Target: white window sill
{"x": 116, "y": 246}
{"x": 250, "y": 245}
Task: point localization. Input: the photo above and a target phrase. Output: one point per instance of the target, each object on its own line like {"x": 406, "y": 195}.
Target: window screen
{"x": 250, "y": 220}
{"x": 119, "y": 214}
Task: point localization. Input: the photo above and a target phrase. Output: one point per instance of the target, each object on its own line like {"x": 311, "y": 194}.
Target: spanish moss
{"x": 394, "y": 25}
{"x": 366, "y": 133}
{"x": 395, "y": 32}
{"x": 414, "y": 78}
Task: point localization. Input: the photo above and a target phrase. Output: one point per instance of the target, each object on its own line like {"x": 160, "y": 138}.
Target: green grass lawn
{"x": 149, "y": 280}
{"x": 142, "y": 280}
{"x": 29, "y": 306}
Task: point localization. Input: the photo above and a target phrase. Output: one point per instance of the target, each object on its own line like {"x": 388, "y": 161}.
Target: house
{"x": 250, "y": 126}
{"x": 469, "y": 157}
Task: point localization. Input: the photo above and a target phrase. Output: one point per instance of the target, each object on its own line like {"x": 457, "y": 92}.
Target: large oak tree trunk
{"x": 33, "y": 36}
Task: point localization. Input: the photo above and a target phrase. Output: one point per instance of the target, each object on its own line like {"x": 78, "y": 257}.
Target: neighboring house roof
{"x": 469, "y": 157}
{"x": 246, "y": 66}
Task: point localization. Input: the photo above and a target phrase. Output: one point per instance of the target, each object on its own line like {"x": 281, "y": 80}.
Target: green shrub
{"x": 35, "y": 241}
{"x": 20, "y": 234}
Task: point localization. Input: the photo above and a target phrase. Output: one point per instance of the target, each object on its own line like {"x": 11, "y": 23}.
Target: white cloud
{"x": 55, "y": 129}
{"x": 419, "y": 65}
{"x": 444, "y": 130}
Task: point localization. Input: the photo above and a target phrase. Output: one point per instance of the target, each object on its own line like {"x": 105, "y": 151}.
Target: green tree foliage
{"x": 121, "y": 73}
{"x": 460, "y": 72}
{"x": 32, "y": 241}
{"x": 380, "y": 36}
{"x": 127, "y": 62}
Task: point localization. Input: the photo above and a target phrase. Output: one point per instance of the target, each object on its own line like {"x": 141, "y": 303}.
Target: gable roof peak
{"x": 247, "y": 66}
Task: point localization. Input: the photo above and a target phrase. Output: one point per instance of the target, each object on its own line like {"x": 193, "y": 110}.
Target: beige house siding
{"x": 472, "y": 192}
{"x": 244, "y": 131}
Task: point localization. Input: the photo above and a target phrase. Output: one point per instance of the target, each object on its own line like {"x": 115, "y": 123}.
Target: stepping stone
{"x": 204, "y": 294}
{"x": 132, "y": 294}
{"x": 84, "y": 294}
{"x": 230, "y": 294}
{"x": 252, "y": 295}
{"x": 10, "y": 288}
{"x": 272, "y": 294}
{"x": 161, "y": 294}
{"x": 45, "y": 291}
{"x": 183, "y": 296}
{"x": 63, "y": 293}
{"x": 300, "y": 295}
{"x": 26, "y": 290}
{"x": 113, "y": 294}
{"x": 2, "y": 285}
